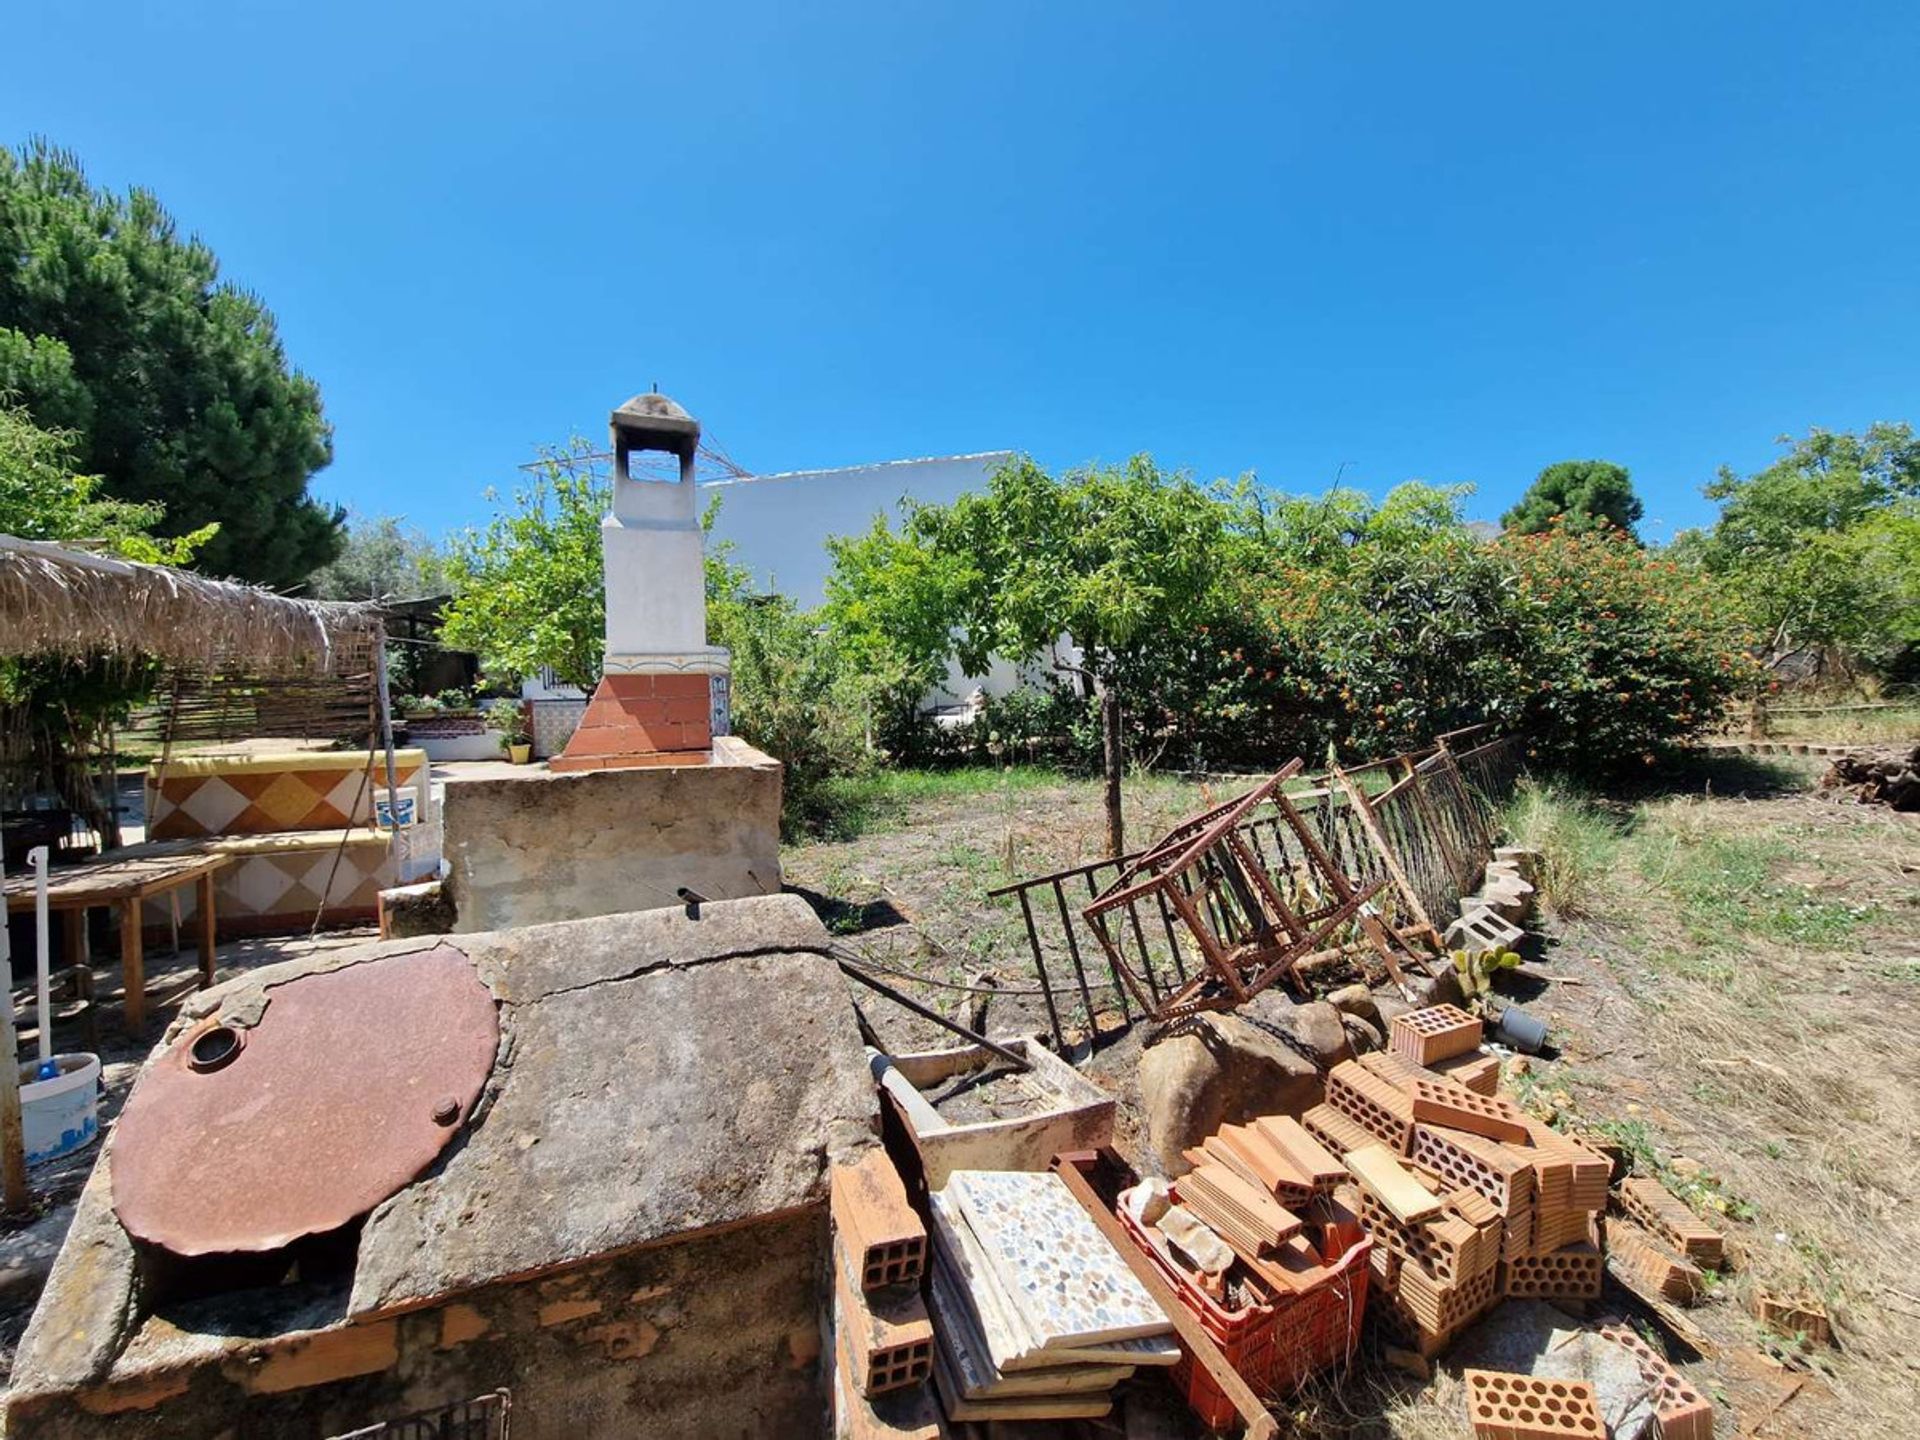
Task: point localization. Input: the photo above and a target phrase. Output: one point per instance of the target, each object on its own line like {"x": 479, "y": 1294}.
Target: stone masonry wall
{"x": 711, "y": 1338}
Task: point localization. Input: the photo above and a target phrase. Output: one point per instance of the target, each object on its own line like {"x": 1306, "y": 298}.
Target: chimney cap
{"x": 657, "y": 413}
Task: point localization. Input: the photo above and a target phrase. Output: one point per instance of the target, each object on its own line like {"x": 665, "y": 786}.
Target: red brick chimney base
{"x": 643, "y": 720}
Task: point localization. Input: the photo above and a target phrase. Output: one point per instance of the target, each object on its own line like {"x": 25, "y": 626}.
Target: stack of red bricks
{"x": 1436, "y": 1249}
{"x": 636, "y": 721}
{"x": 885, "y": 1338}
{"x": 1657, "y": 1246}
{"x": 1433, "y": 1099}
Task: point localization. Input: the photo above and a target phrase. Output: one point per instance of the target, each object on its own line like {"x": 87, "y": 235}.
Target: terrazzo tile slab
{"x": 972, "y": 1369}
{"x": 1052, "y": 1262}
{"x": 1010, "y": 1343}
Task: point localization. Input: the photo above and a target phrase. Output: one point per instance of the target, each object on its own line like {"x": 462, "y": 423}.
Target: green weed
{"x": 1576, "y": 838}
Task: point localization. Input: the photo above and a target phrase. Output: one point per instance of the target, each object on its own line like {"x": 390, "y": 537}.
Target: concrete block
{"x": 1070, "y": 1111}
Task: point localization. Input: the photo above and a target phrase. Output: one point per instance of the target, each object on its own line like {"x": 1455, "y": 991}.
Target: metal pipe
{"x": 854, "y": 972}
{"x": 386, "y": 733}
{"x": 37, "y": 857}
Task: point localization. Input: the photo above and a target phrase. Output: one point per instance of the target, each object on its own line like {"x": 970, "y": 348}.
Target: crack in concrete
{"x": 654, "y": 966}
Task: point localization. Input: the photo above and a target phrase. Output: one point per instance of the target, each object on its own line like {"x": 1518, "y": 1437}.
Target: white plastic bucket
{"x": 61, "y": 1115}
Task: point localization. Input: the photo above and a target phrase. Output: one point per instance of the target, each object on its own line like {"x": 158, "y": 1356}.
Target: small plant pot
{"x": 520, "y": 754}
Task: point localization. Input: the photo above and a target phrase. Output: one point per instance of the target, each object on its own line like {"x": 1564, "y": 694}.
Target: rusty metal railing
{"x": 1413, "y": 831}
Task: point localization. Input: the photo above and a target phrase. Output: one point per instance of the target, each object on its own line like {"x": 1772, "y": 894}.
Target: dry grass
{"x": 55, "y": 600}
{"x": 1767, "y": 969}
{"x": 1842, "y": 726}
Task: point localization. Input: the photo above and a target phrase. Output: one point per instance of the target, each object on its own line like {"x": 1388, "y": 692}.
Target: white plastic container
{"x": 61, "y": 1115}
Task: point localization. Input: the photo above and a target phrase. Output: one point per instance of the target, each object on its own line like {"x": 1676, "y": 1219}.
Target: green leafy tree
{"x": 382, "y": 559}
{"x": 1580, "y": 496}
{"x": 1369, "y": 626}
{"x": 42, "y": 498}
{"x": 61, "y": 710}
{"x": 528, "y": 590}
{"x": 1094, "y": 569}
{"x": 1811, "y": 548}
{"x": 1619, "y": 652}
{"x": 797, "y": 694}
{"x": 173, "y": 383}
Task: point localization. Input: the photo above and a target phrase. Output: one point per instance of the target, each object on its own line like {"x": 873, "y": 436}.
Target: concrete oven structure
{"x": 651, "y": 795}
{"x": 580, "y": 1170}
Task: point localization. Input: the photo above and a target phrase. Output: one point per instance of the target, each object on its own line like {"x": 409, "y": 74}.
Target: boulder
{"x": 1355, "y": 1000}
{"x": 1364, "y": 1035}
{"x": 1217, "y": 1070}
{"x": 1390, "y": 1003}
{"x": 1315, "y": 1030}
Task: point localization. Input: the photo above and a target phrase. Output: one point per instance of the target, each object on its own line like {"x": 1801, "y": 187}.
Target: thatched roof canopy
{"x": 62, "y": 601}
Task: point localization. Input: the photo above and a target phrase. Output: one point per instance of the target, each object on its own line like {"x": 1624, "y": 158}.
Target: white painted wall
{"x": 779, "y": 524}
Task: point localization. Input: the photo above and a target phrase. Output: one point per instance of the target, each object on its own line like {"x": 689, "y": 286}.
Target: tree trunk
{"x": 1112, "y": 761}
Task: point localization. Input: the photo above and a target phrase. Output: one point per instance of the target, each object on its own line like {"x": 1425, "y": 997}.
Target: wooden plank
{"x": 1193, "y": 1335}
{"x": 1370, "y": 824}
{"x": 1375, "y": 1167}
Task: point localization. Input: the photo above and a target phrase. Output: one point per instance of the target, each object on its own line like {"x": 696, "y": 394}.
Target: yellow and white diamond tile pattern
{"x": 281, "y": 889}
{"x": 261, "y": 801}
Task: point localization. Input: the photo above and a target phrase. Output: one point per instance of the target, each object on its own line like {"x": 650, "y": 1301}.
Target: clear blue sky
{"x": 1446, "y": 242}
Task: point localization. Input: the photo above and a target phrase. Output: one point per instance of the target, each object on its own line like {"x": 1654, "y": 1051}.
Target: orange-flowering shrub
{"x": 1625, "y": 651}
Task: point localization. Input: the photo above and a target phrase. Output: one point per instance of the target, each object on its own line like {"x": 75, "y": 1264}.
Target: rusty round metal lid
{"x": 245, "y": 1139}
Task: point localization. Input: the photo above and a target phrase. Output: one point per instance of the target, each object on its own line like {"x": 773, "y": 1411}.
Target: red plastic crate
{"x": 1274, "y": 1346}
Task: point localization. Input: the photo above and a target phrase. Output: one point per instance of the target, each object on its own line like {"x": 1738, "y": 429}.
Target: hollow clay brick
{"x": 1570, "y": 1274}
{"x": 1396, "y": 1069}
{"x": 1497, "y": 1172}
{"x": 888, "y": 1335}
{"x": 1439, "y": 1103}
{"x": 1650, "y": 1203}
{"x": 883, "y": 1235}
{"x": 1680, "y": 1411}
{"x": 1298, "y": 1145}
{"x": 1648, "y": 1260}
{"x": 1530, "y": 1407}
{"x": 1383, "y": 1110}
{"x": 1438, "y": 1032}
{"x": 1476, "y": 1070}
{"x": 1336, "y": 1130}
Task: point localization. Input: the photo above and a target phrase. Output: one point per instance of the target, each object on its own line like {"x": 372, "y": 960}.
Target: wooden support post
{"x": 1370, "y": 823}
{"x": 133, "y": 967}
{"x": 73, "y": 936}
{"x": 13, "y": 1141}
{"x": 1193, "y": 1335}
{"x": 207, "y": 960}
